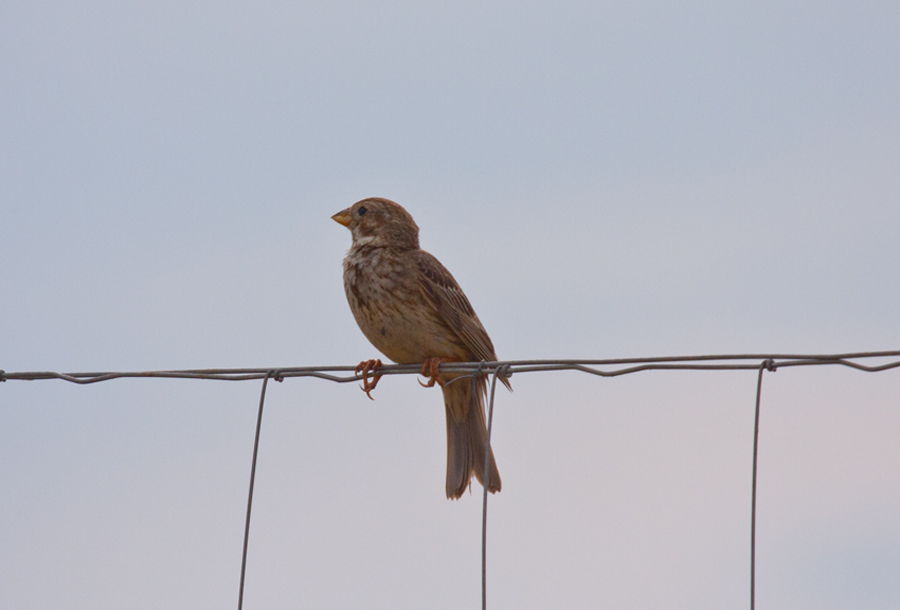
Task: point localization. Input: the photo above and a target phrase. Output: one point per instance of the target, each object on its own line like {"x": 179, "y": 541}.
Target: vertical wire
{"x": 487, "y": 465}
{"x": 262, "y": 401}
{"x": 767, "y": 364}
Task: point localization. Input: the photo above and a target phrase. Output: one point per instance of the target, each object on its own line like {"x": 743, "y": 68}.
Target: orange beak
{"x": 343, "y": 217}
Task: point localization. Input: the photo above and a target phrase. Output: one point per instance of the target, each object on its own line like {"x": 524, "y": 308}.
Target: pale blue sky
{"x": 617, "y": 180}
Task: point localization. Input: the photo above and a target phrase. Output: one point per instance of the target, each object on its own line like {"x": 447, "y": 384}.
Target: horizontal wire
{"x": 621, "y": 366}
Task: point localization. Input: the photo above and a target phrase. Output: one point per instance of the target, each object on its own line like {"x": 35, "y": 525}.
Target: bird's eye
{"x": 362, "y": 211}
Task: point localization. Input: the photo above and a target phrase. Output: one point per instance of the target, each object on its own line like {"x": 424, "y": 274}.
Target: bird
{"x": 413, "y": 311}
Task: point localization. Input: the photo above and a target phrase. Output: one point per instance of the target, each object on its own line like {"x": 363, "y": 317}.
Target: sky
{"x": 605, "y": 180}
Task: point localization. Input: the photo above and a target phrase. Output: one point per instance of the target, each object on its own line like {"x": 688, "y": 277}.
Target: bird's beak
{"x": 343, "y": 217}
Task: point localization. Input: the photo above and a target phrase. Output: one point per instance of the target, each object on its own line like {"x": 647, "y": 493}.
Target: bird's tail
{"x": 466, "y": 436}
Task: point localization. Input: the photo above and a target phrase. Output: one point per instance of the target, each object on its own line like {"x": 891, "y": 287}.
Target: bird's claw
{"x": 365, "y": 367}
{"x": 430, "y": 369}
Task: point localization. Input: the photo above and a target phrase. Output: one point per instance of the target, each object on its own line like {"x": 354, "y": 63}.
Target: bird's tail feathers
{"x": 466, "y": 436}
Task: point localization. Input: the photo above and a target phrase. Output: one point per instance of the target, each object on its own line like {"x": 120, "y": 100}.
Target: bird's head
{"x": 380, "y": 223}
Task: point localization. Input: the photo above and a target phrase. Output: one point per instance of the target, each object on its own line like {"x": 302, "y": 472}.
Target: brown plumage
{"x": 410, "y": 307}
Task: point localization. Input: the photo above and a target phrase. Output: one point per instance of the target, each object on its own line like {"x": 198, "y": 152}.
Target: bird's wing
{"x": 444, "y": 293}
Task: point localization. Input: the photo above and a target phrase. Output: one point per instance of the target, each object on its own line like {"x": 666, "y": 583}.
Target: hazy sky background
{"x": 604, "y": 180}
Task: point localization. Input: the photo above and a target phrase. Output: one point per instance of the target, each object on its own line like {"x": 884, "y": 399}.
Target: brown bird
{"x": 413, "y": 311}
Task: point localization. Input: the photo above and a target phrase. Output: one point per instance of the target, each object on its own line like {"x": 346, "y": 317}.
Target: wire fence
{"x": 602, "y": 368}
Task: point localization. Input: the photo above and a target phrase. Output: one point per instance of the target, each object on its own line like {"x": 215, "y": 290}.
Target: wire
{"x": 624, "y": 366}
{"x": 262, "y": 401}
{"x": 765, "y": 365}
{"x": 613, "y": 368}
{"x": 488, "y": 459}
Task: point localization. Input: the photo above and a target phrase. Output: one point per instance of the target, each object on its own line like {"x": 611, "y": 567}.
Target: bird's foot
{"x": 430, "y": 370}
{"x": 365, "y": 367}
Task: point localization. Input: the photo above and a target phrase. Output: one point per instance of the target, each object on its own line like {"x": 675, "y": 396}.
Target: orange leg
{"x": 430, "y": 370}
{"x": 365, "y": 367}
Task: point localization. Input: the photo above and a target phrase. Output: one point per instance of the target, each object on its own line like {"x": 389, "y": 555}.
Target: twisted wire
{"x": 615, "y": 367}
